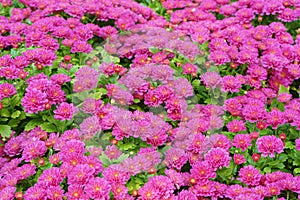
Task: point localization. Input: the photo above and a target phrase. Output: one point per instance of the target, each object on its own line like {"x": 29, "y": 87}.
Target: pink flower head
{"x": 176, "y": 158}
{"x": 250, "y": 175}
{"x": 218, "y": 158}
{"x": 230, "y": 84}
{"x": 297, "y": 144}
{"x": 80, "y": 174}
{"x": 116, "y": 174}
{"x": 51, "y": 177}
{"x": 97, "y": 188}
{"x": 7, "y": 90}
{"x": 81, "y": 46}
{"x": 220, "y": 140}
{"x": 285, "y": 97}
{"x": 189, "y": 68}
{"x": 34, "y": 101}
{"x": 55, "y": 192}
{"x": 211, "y": 79}
{"x": 242, "y": 141}
{"x": 270, "y": 144}
{"x": 202, "y": 170}
{"x": 239, "y": 159}
{"x": 65, "y": 111}
{"x": 7, "y": 193}
{"x": 33, "y": 150}
{"x": 76, "y": 192}
{"x": 112, "y": 152}
{"x": 236, "y": 126}
{"x": 35, "y": 193}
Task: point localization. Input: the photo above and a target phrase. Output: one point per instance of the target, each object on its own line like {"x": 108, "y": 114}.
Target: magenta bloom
{"x": 51, "y": 177}
{"x": 297, "y": 144}
{"x": 242, "y": 141}
{"x": 25, "y": 171}
{"x": 189, "y": 68}
{"x": 97, "y": 188}
{"x": 34, "y": 101}
{"x": 112, "y": 152}
{"x": 269, "y": 144}
{"x": 236, "y": 126}
{"x": 218, "y": 157}
{"x": 7, "y": 193}
{"x": 55, "y": 192}
{"x": 35, "y": 193}
{"x": 202, "y": 170}
{"x": 75, "y": 192}
{"x": 230, "y": 84}
{"x": 250, "y": 175}
{"x": 81, "y": 46}
{"x": 34, "y": 150}
{"x": 239, "y": 159}
{"x": 65, "y": 111}
{"x": 158, "y": 187}
{"x": 80, "y": 174}
{"x": 176, "y": 158}
{"x": 211, "y": 79}
{"x": 220, "y": 140}
{"x": 115, "y": 174}
{"x": 7, "y": 90}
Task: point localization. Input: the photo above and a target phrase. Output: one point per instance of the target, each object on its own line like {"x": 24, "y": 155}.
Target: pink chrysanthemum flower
{"x": 7, "y": 193}
{"x": 239, "y": 159}
{"x": 34, "y": 101}
{"x": 250, "y": 175}
{"x": 218, "y": 158}
{"x": 175, "y": 158}
{"x": 269, "y": 145}
{"x": 202, "y": 170}
{"x": 55, "y": 192}
{"x": 112, "y": 152}
{"x": 236, "y": 126}
{"x": 75, "y": 192}
{"x": 220, "y": 140}
{"x": 242, "y": 141}
{"x": 297, "y": 144}
{"x": 35, "y": 193}
{"x": 7, "y": 90}
{"x": 97, "y": 188}
{"x": 34, "y": 150}
{"x": 80, "y": 174}
{"x": 65, "y": 111}
{"x": 25, "y": 171}
{"x": 115, "y": 174}
{"x": 50, "y": 177}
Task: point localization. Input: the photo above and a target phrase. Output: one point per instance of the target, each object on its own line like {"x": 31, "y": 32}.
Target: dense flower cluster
{"x": 112, "y": 100}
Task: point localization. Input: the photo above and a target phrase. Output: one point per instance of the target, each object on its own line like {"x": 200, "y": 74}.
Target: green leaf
{"x": 49, "y": 127}
{"x": 267, "y": 170}
{"x": 14, "y": 123}
{"x": 297, "y": 170}
{"x": 283, "y": 89}
{"x": 16, "y": 114}
{"x": 105, "y": 160}
{"x": 121, "y": 158}
{"x": 289, "y": 145}
{"x": 283, "y": 157}
{"x": 5, "y": 131}
{"x": 126, "y": 146}
{"x": 62, "y": 71}
{"x": 5, "y": 113}
{"x": 32, "y": 124}
{"x": 136, "y": 101}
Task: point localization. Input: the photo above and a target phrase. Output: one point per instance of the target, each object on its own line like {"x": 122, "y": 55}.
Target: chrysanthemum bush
{"x": 149, "y": 100}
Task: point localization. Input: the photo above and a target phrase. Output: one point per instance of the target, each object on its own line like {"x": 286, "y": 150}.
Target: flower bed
{"x": 150, "y": 100}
